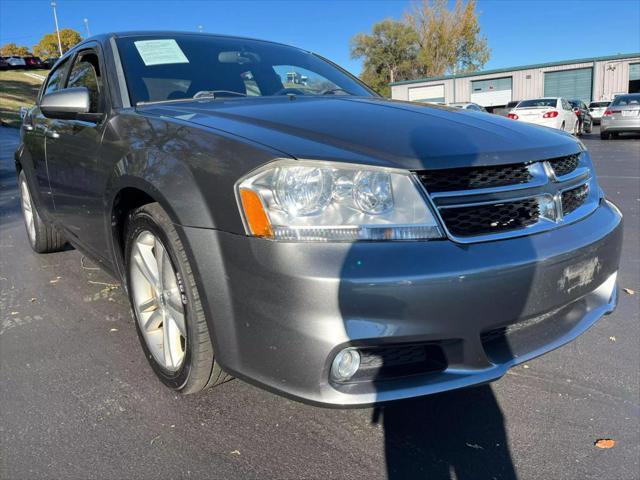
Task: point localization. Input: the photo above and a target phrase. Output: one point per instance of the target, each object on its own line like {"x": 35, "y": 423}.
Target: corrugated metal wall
{"x": 609, "y": 78}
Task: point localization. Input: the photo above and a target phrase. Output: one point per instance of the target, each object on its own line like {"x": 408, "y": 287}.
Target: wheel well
{"x": 127, "y": 200}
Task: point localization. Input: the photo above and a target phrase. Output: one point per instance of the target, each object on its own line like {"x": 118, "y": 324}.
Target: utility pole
{"x": 86, "y": 26}
{"x": 55, "y": 18}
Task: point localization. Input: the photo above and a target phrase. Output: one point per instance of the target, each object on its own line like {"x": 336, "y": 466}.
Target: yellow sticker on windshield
{"x": 160, "y": 52}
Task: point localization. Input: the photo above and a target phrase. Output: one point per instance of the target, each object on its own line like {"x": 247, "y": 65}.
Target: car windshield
{"x": 626, "y": 100}
{"x": 539, "y": 102}
{"x": 175, "y": 67}
{"x": 598, "y": 104}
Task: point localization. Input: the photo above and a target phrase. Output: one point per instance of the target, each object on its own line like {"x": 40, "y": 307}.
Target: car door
{"x": 35, "y": 126}
{"x": 72, "y": 150}
{"x": 568, "y": 117}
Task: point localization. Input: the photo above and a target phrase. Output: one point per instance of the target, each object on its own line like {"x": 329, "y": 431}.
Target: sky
{"x": 519, "y": 32}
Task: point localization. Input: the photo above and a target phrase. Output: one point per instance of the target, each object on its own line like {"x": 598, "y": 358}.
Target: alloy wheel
{"x": 27, "y": 211}
{"x": 158, "y": 301}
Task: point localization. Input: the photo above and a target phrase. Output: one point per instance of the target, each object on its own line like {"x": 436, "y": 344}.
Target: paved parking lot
{"x": 78, "y": 399}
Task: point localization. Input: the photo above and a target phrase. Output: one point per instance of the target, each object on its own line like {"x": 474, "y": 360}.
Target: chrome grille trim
{"x": 544, "y": 184}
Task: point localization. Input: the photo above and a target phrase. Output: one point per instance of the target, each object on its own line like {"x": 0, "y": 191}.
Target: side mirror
{"x": 69, "y": 103}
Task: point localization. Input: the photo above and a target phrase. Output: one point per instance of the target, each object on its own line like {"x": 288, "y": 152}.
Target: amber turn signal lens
{"x": 257, "y": 219}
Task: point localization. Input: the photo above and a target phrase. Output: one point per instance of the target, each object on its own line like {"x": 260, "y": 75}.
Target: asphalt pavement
{"x": 78, "y": 399}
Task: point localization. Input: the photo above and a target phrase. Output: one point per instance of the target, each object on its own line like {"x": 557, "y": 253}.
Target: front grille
{"x": 565, "y": 165}
{"x": 490, "y": 219}
{"x": 574, "y": 198}
{"x": 452, "y": 179}
{"x": 487, "y": 203}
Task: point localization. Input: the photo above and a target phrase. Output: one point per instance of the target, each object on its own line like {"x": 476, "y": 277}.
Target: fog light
{"x": 345, "y": 365}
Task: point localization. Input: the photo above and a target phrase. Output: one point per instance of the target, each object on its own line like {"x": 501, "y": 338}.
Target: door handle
{"x": 52, "y": 134}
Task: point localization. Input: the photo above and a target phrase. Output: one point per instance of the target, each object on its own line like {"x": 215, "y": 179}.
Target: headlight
{"x": 323, "y": 201}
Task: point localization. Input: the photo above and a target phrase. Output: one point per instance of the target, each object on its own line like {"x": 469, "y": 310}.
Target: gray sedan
{"x": 273, "y": 219}
{"x": 623, "y": 115}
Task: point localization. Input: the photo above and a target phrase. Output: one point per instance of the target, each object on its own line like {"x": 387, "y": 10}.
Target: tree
{"x": 11, "y": 49}
{"x": 449, "y": 40}
{"x": 48, "y": 45}
{"x": 431, "y": 40}
{"x": 390, "y": 54}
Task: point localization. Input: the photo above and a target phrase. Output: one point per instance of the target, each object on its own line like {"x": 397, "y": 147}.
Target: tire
{"x": 605, "y": 136}
{"x": 43, "y": 236}
{"x": 562, "y": 127}
{"x": 185, "y": 362}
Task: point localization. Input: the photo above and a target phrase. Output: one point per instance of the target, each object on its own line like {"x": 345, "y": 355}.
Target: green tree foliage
{"x": 431, "y": 40}
{"x": 48, "y": 45}
{"x": 390, "y": 54}
{"x": 11, "y": 49}
{"x": 449, "y": 40}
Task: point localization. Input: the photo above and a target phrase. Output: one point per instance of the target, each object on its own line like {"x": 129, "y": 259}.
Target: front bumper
{"x": 281, "y": 311}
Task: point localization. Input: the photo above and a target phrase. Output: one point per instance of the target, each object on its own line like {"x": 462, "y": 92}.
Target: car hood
{"x": 373, "y": 130}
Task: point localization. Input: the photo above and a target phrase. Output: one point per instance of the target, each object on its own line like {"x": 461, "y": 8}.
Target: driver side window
{"x": 86, "y": 73}
{"x": 56, "y": 78}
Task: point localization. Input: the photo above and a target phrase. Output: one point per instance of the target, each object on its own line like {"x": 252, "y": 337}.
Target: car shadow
{"x": 459, "y": 434}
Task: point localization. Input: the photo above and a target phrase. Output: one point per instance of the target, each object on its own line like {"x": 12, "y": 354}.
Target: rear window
{"x": 598, "y": 104}
{"x": 626, "y": 100}
{"x": 538, "y": 102}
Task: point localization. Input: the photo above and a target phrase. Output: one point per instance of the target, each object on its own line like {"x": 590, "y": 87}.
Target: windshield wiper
{"x": 201, "y": 95}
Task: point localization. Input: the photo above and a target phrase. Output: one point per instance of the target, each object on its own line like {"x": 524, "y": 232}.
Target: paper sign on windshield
{"x": 160, "y": 52}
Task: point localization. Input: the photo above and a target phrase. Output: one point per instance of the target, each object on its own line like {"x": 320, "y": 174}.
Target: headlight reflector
{"x": 324, "y": 201}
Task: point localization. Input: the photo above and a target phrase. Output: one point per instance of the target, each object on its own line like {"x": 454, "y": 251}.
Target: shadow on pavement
{"x": 455, "y": 435}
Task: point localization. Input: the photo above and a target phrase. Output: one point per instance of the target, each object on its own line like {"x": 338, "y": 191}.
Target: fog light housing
{"x": 345, "y": 365}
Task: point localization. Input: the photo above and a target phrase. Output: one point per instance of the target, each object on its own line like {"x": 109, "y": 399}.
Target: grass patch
{"x": 17, "y": 90}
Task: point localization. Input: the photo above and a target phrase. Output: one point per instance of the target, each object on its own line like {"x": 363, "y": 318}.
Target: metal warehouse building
{"x": 588, "y": 79}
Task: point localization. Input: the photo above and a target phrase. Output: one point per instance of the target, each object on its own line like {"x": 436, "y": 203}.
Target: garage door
{"x": 569, "y": 84}
{"x": 432, "y": 93}
{"x": 634, "y": 78}
{"x": 491, "y": 93}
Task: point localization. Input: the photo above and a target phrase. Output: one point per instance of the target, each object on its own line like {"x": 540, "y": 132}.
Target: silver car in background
{"x": 468, "y": 106}
{"x": 623, "y": 115}
{"x": 597, "y": 109}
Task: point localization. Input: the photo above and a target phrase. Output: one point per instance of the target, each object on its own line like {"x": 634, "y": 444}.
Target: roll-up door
{"x": 433, "y": 94}
{"x": 634, "y": 78}
{"x": 570, "y": 84}
{"x": 492, "y": 92}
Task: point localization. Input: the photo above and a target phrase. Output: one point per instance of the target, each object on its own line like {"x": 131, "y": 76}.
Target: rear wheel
{"x": 605, "y": 136}
{"x": 43, "y": 236}
{"x": 170, "y": 319}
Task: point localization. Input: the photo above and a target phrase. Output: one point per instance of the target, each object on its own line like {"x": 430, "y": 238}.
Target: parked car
{"x": 552, "y": 112}
{"x": 623, "y": 115}
{"x": 49, "y": 62}
{"x": 468, "y": 106}
{"x": 584, "y": 117}
{"x": 504, "y": 111}
{"x": 596, "y": 109}
{"x": 33, "y": 62}
{"x": 16, "y": 62}
{"x": 4, "y": 64}
{"x": 339, "y": 249}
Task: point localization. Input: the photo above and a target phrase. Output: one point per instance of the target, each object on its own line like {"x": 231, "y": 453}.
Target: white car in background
{"x": 597, "y": 109}
{"x": 16, "y": 62}
{"x": 554, "y": 112}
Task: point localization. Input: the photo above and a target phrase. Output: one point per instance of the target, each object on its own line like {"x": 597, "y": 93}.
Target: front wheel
{"x": 170, "y": 319}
